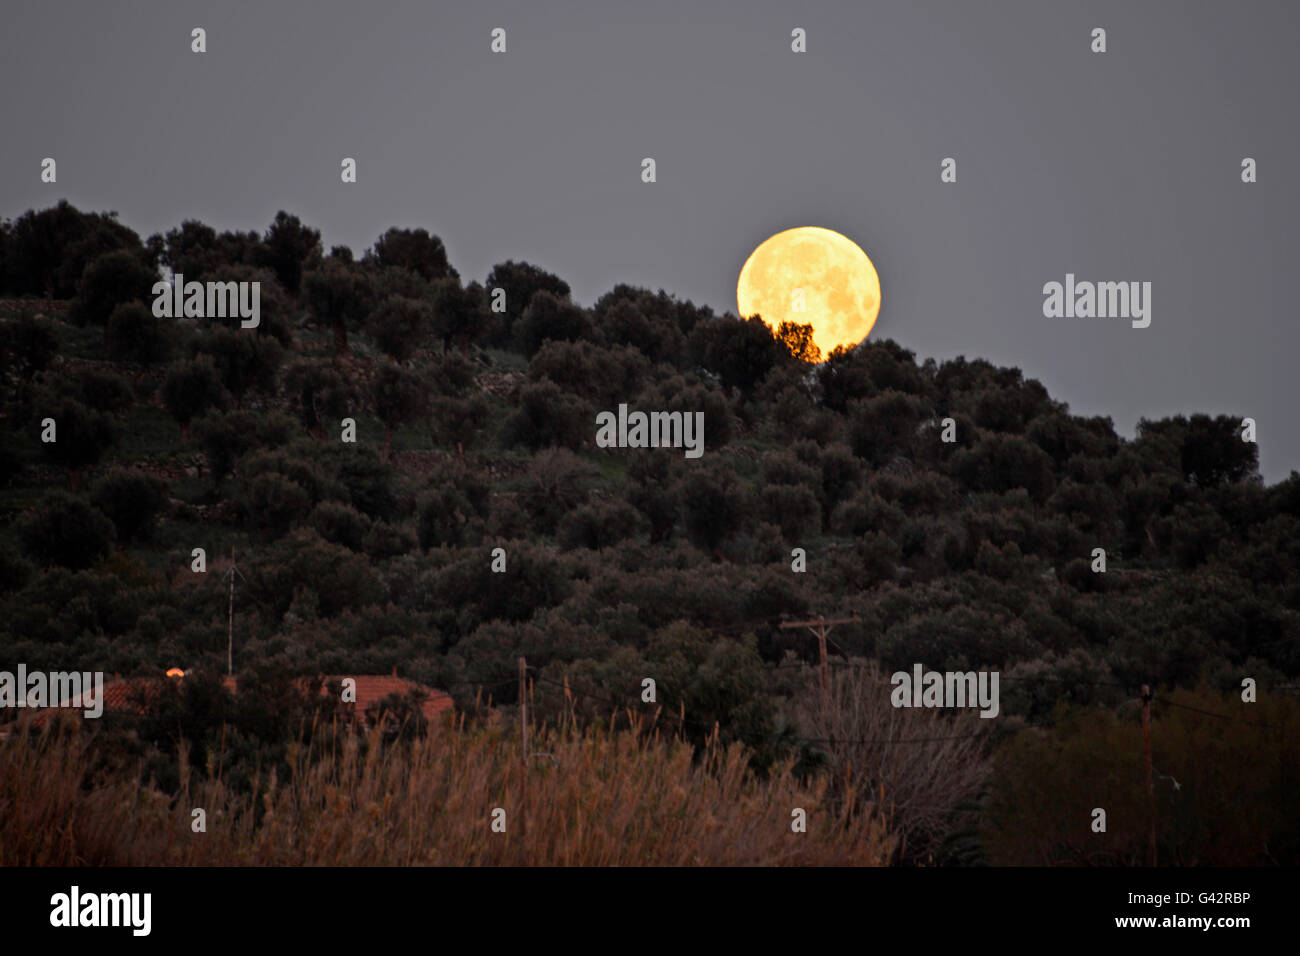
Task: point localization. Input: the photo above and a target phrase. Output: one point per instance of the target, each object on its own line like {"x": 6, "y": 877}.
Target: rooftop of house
{"x": 136, "y": 695}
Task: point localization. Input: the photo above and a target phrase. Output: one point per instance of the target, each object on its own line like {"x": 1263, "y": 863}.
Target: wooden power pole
{"x": 821, "y": 627}
{"x": 1151, "y": 792}
{"x": 230, "y": 616}
{"x": 523, "y": 746}
{"x": 230, "y": 620}
{"x": 523, "y": 710}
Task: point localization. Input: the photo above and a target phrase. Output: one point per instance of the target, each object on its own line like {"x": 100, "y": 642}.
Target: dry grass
{"x": 923, "y": 780}
{"x": 594, "y": 798}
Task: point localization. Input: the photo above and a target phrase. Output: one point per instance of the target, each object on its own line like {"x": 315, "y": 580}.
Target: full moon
{"x": 812, "y": 276}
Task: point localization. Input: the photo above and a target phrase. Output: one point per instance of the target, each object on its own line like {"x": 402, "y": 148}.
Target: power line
{"x": 772, "y": 737}
{"x": 821, "y": 627}
{"x": 1207, "y": 713}
{"x": 703, "y": 727}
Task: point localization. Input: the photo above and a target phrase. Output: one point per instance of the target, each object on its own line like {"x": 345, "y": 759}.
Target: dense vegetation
{"x": 475, "y": 431}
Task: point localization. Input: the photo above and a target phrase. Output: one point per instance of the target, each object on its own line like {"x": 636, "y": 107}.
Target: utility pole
{"x": 230, "y": 620}
{"x": 523, "y": 746}
{"x": 230, "y": 616}
{"x": 821, "y": 627}
{"x": 523, "y": 710}
{"x": 1151, "y": 793}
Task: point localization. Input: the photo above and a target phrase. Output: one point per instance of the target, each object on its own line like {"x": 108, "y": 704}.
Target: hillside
{"x": 475, "y": 431}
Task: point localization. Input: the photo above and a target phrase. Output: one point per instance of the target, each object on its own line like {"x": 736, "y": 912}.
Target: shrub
{"x": 739, "y": 351}
{"x": 227, "y": 436}
{"x": 605, "y": 376}
{"x": 457, "y": 421}
{"x": 274, "y": 503}
{"x": 303, "y": 563}
{"x": 445, "y": 516}
{"x": 551, "y": 318}
{"x": 885, "y": 425}
{"x": 82, "y": 435}
{"x": 192, "y": 388}
{"x": 103, "y": 391}
{"x": 400, "y": 326}
{"x": 64, "y": 529}
{"x": 413, "y": 249}
{"x": 550, "y": 417}
{"x": 319, "y": 393}
{"x": 385, "y": 540}
{"x": 14, "y": 571}
{"x": 557, "y": 481}
{"x": 600, "y": 525}
{"x": 1000, "y": 462}
{"x": 131, "y": 500}
{"x": 398, "y": 397}
{"x": 341, "y": 524}
{"x": 520, "y": 281}
{"x": 135, "y": 334}
{"x": 111, "y": 280}
{"x": 244, "y": 362}
{"x": 441, "y": 516}
{"x": 1201, "y": 812}
{"x": 27, "y": 344}
{"x": 714, "y": 504}
{"x": 793, "y": 508}
{"x": 859, "y": 727}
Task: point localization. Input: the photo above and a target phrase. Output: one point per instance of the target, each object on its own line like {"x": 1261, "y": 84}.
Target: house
{"x": 371, "y": 690}
{"x": 136, "y": 696}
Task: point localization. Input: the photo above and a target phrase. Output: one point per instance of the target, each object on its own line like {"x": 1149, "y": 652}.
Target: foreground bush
{"x": 1223, "y": 776}
{"x": 929, "y": 779}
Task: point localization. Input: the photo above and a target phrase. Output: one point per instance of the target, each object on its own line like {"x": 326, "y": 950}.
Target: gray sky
{"x": 1118, "y": 166}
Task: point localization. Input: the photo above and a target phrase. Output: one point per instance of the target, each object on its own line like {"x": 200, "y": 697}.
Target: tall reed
{"x": 590, "y": 797}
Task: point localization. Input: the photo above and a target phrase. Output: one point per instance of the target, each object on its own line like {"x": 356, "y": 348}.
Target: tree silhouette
{"x": 416, "y": 250}
{"x": 111, "y": 280}
{"x": 740, "y": 351}
{"x": 290, "y": 248}
{"x": 398, "y": 397}
{"x": 798, "y": 341}
{"x": 320, "y": 393}
{"x": 46, "y": 252}
{"x": 192, "y": 388}
{"x": 339, "y": 295}
{"x": 520, "y": 281}
{"x": 135, "y": 334}
{"x": 399, "y": 326}
{"x": 28, "y": 345}
{"x": 549, "y": 317}
{"x": 714, "y": 505}
{"x": 64, "y": 529}
{"x": 82, "y": 434}
{"x": 131, "y": 500}
{"x": 243, "y": 362}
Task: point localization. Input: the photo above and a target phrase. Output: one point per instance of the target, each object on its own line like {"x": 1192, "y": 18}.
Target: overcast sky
{"x": 1115, "y": 166}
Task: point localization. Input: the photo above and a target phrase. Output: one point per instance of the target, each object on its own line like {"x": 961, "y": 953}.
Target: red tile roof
{"x": 136, "y": 695}
{"x": 131, "y": 696}
{"x": 373, "y": 688}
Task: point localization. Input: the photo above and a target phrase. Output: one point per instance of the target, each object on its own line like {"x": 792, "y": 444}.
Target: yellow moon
{"x": 812, "y": 276}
